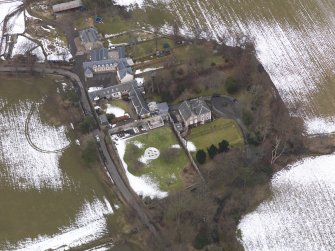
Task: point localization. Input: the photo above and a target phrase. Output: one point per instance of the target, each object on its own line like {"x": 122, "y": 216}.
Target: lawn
{"x": 124, "y": 105}
{"x": 214, "y": 132}
{"x": 146, "y": 48}
{"x": 166, "y": 170}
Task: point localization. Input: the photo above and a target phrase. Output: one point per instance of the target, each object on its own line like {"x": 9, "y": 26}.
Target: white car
{"x": 97, "y": 138}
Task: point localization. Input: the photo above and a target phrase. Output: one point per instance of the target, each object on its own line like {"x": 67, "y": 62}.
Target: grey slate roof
{"x": 67, "y": 6}
{"x": 163, "y": 108}
{"x": 124, "y": 69}
{"x": 193, "y": 107}
{"x": 122, "y": 51}
{"x": 121, "y": 63}
{"x": 131, "y": 88}
{"x": 99, "y": 54}
{"x": 89, "y": 35}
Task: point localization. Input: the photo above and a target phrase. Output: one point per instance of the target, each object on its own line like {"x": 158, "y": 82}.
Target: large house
{"x": 107, "y": 61}
{"x": 90, "y": 38}
{"x": 194, "y": 112}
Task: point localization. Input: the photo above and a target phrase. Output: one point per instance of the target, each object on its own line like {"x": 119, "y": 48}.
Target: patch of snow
{"x": 22, "y": 45}
{"x": 190, "y": 146}
{"x": 176, "y": 146}
{"x": 90, "y": 224}
{"x": 56, "y": 49}
{"x": 129, "y": 2}
{"x": 94, "y": 88}
{"x": 320, "y": 125}
{"x": 141, "y": 185}
{"x": 25, "y": 167}
{"x": 140, "y": 81}
{"x": 138, "y": 71}
{"x": 300, "y": 214}
{"x": 138, "y": 144}
{"x": 118, "y": 112}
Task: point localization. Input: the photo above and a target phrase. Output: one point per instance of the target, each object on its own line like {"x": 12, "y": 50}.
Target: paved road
{"x": 127, "y": 193}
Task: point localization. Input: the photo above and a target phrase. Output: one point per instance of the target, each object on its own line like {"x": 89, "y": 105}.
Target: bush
{"x": 212, "y": 151}
{"x": 223, "y": 146}
{"x": 231, "y": 86}
{"x": 201, "y": 156}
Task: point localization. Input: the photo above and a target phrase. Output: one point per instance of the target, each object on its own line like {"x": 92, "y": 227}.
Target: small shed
{"x": 76, "y": 4}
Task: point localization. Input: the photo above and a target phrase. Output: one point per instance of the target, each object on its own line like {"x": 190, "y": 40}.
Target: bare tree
{"x": 278, "y": 150}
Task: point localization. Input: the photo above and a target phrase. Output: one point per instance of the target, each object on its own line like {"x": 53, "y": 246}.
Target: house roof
{"x": 193, "y": 107}
{"x": 67, "y": 6}
{"x": 138, "y": 101}
{"x": 163, "y": 108}
{"x": 89, "y": 35}
{"x": 124, "y": 72}
{"x": 130, "y": 87}
{"x": 99, "y": 54}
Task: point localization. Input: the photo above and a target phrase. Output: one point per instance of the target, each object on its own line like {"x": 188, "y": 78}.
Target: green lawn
{"x": 166, "y": 169}
{"x": 148, "y": 48}
{"x": 214, "y": 132}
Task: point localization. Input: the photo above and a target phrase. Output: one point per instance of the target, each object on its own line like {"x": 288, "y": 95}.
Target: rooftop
{"x": 67, "y": 6}
{"x": 194, "y": 107}
{"x": 89, "y": 35}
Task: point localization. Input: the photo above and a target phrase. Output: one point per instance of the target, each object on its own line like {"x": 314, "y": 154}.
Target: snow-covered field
{"x": 90, "y": 224}
{"x": 141, "y": 185}
{"x": 28, "y": 168}
{"x": 300, "y": 215}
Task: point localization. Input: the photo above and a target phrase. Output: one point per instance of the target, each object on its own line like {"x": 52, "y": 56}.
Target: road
{"x": 127, "y": 193}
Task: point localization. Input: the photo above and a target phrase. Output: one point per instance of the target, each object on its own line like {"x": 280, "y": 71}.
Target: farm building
{"x": 72, "y": 5}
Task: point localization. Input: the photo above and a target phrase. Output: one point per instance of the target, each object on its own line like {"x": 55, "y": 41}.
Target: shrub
{"x": 212, "y": 151}
{"x": 201, "y": 156}
{"x": 231, "y": 86}
{"x": 223, "y": 146}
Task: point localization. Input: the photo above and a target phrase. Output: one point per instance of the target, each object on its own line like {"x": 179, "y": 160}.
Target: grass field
{"x": 166, "y": 169}
{"x": 214, "y": 132}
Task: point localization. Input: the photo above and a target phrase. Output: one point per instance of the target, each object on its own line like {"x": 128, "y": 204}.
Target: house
{"x": 107, "y": 61}
{"x": 194, "y": 112}
{"x": 72, "y": 5}
{"x": 90, "y": 38}
{"x": 129, "y": 88}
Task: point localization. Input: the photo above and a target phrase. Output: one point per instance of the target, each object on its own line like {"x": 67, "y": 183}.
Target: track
{"x": 31, "y": 143}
